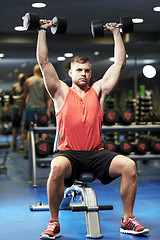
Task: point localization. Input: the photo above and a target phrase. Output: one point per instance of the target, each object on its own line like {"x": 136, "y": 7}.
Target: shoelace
{"x": 136, "y": 224}
{"x": 51, "y": 226}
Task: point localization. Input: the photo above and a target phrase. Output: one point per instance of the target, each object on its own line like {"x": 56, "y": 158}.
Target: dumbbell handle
{"x": 118, "y": 25}
{"x": 41, "y": 23}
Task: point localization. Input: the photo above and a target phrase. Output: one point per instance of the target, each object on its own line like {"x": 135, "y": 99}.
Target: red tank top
{"x": 80, "y": 121}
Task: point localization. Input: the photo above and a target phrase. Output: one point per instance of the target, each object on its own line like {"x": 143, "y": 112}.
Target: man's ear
{"x": 70, "y": 72}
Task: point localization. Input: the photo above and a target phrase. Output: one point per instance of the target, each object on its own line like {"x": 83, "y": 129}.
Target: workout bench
{"x": 81, "y": 197}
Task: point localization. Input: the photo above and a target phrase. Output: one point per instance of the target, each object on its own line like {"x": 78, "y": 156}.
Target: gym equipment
{"x": 13, "y": 97}
{"x": 125, "y": 147}
{"x": 80, "y": 197}
{"x": 155, "y": 147}
{"x": 32, "y": 22}
{"x": 42, "y": 120}
{"x": 2, "y": 100}
{"x": 98, "y": 28}
{"x": 43, "y": 148}
{"x": 110, "y": 145}
{"x": 4, "y": 146}
{"x": 141, "y": 147}
{"x": 110, "y": 117}
{"x": 126, "y": 117}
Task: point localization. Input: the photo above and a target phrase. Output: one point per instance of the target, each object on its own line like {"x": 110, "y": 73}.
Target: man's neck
{"x": 80, "y": 90}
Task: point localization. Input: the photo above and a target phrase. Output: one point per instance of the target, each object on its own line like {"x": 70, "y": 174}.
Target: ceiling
{"x": 19, "y": 48}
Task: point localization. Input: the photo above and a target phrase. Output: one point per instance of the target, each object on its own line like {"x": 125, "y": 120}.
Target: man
{"x": 36, "y": 99}
{"x": 16, "y": 93}
{"x": 79, "y": 112}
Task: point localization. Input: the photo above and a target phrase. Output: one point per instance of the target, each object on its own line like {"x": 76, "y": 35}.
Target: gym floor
{"x": 16, "y": 195}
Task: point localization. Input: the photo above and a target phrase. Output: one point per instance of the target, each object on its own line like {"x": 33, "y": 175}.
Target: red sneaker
{"x": 131, "y": 226}
{"x": 52, "y": 231}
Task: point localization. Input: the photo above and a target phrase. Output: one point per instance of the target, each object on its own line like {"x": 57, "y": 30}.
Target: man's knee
{"x": 60, "y": 167}
{"x": 130, "y": 168}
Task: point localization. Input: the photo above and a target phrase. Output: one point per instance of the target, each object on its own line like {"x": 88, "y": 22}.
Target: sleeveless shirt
{"x": 18, "y": 92}
{"x": 80, "y": 121}
{"x": 37, "y": 93}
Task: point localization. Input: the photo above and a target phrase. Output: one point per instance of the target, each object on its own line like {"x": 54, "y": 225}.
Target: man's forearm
{"x": 42, "y": 48}
{"x": 119, "y": 49}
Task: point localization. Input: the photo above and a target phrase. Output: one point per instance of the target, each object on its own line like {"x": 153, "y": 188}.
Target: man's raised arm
{"x": 111, "y": 76}
{"x": 51, "y": 79}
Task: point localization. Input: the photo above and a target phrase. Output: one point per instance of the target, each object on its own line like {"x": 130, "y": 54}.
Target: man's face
{"x": 80, "y": 73}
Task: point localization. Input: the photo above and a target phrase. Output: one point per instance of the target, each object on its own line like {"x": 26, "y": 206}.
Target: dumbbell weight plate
{"x": 110, "y": 145}
{"x": 127, "y": 24}
{"x": 125, "y": 147}
{"x": 97, "y": 28}
{"x": 59, "y": 25}
{"x": 155, "y": 147}
{"x": 42, "y": 120}
{"x": 110, "y": 116}
{"x": 31, "y": 21}
{"x": 43, "y": 148}
{"x": 127, "y": 117}
{"x": 141, "y": 147}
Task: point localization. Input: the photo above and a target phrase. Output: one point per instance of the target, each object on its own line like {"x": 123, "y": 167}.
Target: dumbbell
{"x": 98, "y": 28}
{"x": 110, "y": 117}
{"x": 42, "y": 120}
{"x": 110, "y": 145}
{"x": 141, "y": 147}
{"x": 155, "y": 147}
{"x": 126, "y": 117}
{"x": 32, "y": 22}
{"x": 43, "y": 148}
{"x": 125, "y": 147}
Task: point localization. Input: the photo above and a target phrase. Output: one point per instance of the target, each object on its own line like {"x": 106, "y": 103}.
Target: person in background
{"x": 37, "y": 100}
{"x": 15, "y": 100}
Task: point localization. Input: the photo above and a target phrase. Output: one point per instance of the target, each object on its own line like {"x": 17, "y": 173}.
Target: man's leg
{"x": 126, "y": 168}
{"x": 60, "y": 169}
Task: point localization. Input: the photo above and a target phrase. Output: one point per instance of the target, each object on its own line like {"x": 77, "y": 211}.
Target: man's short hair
{"x": 77, "y": 59}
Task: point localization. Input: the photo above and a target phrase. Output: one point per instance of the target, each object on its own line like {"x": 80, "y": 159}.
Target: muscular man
{"x": 79, "y": 113}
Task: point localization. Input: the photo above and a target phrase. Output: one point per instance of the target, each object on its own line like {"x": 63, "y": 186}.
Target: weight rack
{"x": 32, "y": 175}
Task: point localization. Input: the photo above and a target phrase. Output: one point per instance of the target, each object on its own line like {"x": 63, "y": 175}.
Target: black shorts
{"x": 94, "y": 161}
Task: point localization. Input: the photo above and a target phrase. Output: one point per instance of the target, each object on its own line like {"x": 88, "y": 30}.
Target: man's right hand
{"x": 46, "y": 23}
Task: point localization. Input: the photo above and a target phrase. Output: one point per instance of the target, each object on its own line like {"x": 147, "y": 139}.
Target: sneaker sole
{"x": 45, "y": 237}
{"x": 145, "y": 231}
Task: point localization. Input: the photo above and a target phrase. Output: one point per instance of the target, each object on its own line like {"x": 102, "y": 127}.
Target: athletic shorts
{"x": 31, "y": 115}
{"x": 94, "y": 161}
{"x": 16, "y": 118}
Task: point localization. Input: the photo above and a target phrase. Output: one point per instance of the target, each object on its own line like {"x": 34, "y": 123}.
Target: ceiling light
{"x": 137, "y": 20}
{"x": 19, "y": 28}
{"x": 15, "y": 70}
{"x": 61, "y": 58}
{"x": 10, "y": 74}
{"x": 156, "y": 9}
{"x": 68, "y": 54}
{"x": 38, "y": 5}
{"x": 96, "y": 53}
{"x": 111, "y": 59}
{"x": 1, "y": 55}
{"x": 149, "y": 71}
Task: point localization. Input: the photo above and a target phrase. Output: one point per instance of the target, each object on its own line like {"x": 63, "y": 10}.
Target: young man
{"x": 36, "y": 99}
{"x": 79, "y": 112}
